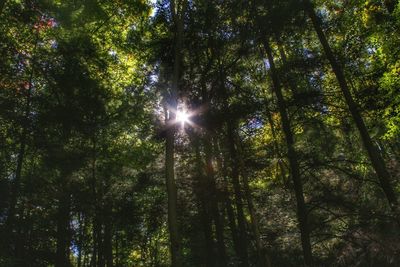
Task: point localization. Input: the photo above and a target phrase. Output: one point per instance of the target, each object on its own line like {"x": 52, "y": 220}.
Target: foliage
{"x": 85, "y": 95}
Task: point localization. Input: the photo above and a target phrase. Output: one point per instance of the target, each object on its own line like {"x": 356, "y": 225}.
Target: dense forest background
{"x": 199, "y": 133}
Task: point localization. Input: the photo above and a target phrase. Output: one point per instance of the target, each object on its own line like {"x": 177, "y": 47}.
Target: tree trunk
{"x": 15, "y": 187}
{"x": 293, "y": 161}
{"x": 117, "y": 249}
{"x": 63, "y": 227}
{"x": 374, "y": 155}
{"x": 175, "y": 246}
{"x": 80, "y": 238}
{"x": 290, "y": 81}
{"x": 212, "y": 198}
{"x": 209, "y": 257}
{"x": 100, "y": 240}
{"x": 95, "y": 237}
{"x": 238, "y": 196}
{"x": 263, "y": 258}
{"x": 108, "y": 253}
{"x": 241, "y": 222}
{"x": 178, "y": 13}
{"x": 228, "y": 203}
{"x": 14, "y": 242}
{"x": 276, "y": 148}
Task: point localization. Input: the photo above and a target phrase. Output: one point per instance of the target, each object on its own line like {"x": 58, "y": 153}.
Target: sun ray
{"x": 182, "y": 117}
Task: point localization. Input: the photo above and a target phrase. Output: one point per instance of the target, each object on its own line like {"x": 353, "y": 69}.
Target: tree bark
{"x": 290, "y": 81}
{"x": 209, "y": 257}
{"x": 178, "y": 13}
{"x": 15, "y": 188}
{"x": 14, "y": 241}
{"x": 175, "y": 246}
{"x": 263, "y": 258}
{"x": 63, "y": 227}
{"x": 108, "y": 253}
{"x": 227, "y": 202}
{"x": 212, "y": 198}
{"x": 373, "y": 153}
{"x": 302, "y": 214}
{"x": 242, "y": 235}
{"x": 80, "y": 240}
{"x": 97, "y": 199}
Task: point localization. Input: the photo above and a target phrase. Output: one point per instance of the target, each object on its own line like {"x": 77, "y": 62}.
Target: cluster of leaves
{"x": 76, "y": 157}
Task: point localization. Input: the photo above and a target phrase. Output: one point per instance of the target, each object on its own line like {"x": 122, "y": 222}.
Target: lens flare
{"x": 182, "y": 117}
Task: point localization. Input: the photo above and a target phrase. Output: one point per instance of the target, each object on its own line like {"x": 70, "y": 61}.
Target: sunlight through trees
{"x": 180, "y": 133}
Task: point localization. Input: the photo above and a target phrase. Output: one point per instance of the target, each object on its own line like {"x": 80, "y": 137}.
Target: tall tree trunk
{"x": 212, "y": 194}
{"x": 213, "y": 199}
{"x": 15, "y": 188}
{"x": 373, "y": 153}
{"x": 302, "y": 214}
{"x": 108, "y": 253}
{"x": 117, "y": 249}
{"x": 209, "y": 257}
{"x": 81, "y": 232}
{"x": 228, "y": 203}
{"x": 101, "y": 222}
{"x": 95, "y": 237}
{"x": 175, "y": 246}
{"x": 238, "y": 196}
{"x": 178, "y": 11}
{"x": 100, "y": 240}
{"x": 63, "y": 226}
{"x": 263, "y": 258}
{"x": 14, "y": 241}
{"x": 96, "y": 259}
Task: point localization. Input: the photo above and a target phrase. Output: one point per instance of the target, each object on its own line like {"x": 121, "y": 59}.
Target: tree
{"x": 197, "y": 133}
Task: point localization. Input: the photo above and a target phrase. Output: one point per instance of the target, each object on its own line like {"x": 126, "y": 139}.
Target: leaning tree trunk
{"x": 373, "y": 153}
{"x": 302, "y": 214}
